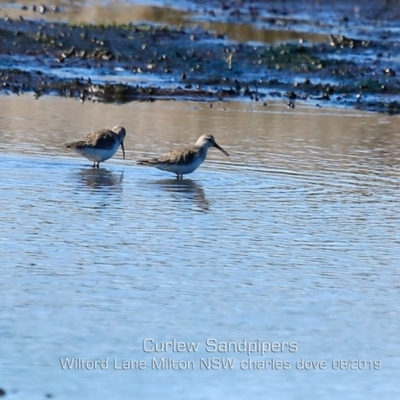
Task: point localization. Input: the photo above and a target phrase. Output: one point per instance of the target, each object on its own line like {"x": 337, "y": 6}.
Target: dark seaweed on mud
{"x": 193, "y": 64}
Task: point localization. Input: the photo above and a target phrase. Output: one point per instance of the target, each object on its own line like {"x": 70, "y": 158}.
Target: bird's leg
{"x": 94, "y": 164}
{"x": 98, "y": 165}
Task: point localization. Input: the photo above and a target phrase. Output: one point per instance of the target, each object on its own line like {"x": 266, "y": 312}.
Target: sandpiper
{"x": 186, "y": 159}
{"x": 99, "y": 146}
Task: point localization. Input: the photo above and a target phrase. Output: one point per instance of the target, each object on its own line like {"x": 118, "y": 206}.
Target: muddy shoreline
{"x": 122, "y": 63}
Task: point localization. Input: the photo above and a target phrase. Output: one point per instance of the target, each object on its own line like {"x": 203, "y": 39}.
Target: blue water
{"x": 293, "y": 239}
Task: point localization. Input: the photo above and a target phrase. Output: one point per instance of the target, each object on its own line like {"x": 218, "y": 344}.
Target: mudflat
{"x": 350, "y": 61}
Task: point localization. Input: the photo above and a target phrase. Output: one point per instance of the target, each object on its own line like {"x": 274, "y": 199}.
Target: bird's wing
{"x": 182, "y": 156}
{"x": 104, "y": 138}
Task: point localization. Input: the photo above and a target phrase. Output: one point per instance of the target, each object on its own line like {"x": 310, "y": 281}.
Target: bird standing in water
{"x": 99, "y": 146}
{"x": 186, "y": 159}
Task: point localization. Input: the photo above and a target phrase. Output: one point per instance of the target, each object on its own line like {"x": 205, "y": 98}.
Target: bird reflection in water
{"x": 100, "y": 178}
{"x": 185, "y": 188}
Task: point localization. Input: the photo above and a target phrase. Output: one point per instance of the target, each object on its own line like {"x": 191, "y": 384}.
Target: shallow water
{"x": 294, "y": 238}
{"x": 266, "y": 22}
{"x": 177, "y": 14}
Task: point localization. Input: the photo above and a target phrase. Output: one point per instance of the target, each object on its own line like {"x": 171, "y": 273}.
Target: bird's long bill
{"x": 123, "y": 150}
{"x": 221, "y": 149}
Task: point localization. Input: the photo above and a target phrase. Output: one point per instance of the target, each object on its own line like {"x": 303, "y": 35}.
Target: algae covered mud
{"x": 336, "y": 54}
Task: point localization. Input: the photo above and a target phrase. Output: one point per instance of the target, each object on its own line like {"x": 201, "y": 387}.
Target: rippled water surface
{"x": 294, "y": 238}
